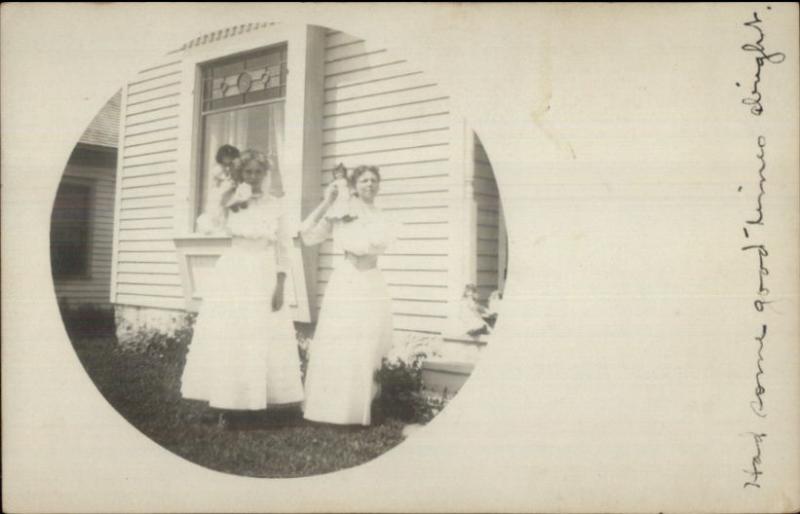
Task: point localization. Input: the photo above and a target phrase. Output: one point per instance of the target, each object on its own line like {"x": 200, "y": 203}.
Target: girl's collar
{"x": 364, "y": 206}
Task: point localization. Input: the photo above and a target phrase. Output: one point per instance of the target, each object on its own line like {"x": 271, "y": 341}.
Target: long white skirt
{"x": 243, "y": 355}
{"x": 354, "y": 333}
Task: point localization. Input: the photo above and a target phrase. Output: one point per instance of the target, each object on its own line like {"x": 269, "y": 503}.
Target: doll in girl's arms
{"x": 340, "y": 210}
{"x": 221, "y": 188}
{"x": 229, "y": 160}
{"x": 239, "y": 197}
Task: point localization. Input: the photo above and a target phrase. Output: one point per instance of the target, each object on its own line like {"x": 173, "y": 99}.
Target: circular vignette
{"x": 124, "y": 227}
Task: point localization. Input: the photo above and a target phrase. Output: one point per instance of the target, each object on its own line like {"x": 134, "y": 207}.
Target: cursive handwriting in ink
{"x": 762, "y": 57}
{"x": 750, "y": 231}
{"x": 755, "y": 472}
{"x": 762, "y": 272}
{"x": 757, "y": 405}
{"x": 762, "y": 179}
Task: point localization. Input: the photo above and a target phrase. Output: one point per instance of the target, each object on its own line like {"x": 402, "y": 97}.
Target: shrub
{"x": 157, "y": 341}
{"x": 402, "y": 396}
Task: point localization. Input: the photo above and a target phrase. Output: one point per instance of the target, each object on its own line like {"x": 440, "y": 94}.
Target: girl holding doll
{"x": 243, "y": 355}
{"x": 354, "y": 330}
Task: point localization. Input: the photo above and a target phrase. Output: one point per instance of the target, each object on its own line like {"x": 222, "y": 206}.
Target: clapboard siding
{"x": 389, "y": 128}
{"x": 136, "y": 128}
{"x": 94, "y": 288}
{"x": 391, "y": 156}
{"x": 146, "y": 263}
{"x": 163, "y": 80}
{"x": 151, "y": 300}
{"x": 413, "y": 139}
{"x": 396, "y": 175}
{"x": 154, "y": 213}
{"x": 411, "y": 215}
{"x": 151, "y": 145}
{"x": 146, "y": 170}
{"x": 373, "y": 72}
{"x": 380, "y": 110}
{"x": 400, "y": 81}
{"x": 163, "y": 268}
{"x": 487, "y": 198}
{"x": 334, "y": 38}
{"x": 172, "y": 279}
{"x": 148, "y": 234}
{"x": 389, "y": 113}
{"x": 423, "y": 230}
{"x": 161, "y": 177}
{"x": 146, "y": 224}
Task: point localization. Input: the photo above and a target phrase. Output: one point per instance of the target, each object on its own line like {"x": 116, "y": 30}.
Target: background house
{"x": 82, "y": 221}
{"x": 312, "y": 97}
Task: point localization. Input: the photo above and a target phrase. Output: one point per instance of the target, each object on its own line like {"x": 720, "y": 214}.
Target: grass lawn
{"x": 144, "y": 389}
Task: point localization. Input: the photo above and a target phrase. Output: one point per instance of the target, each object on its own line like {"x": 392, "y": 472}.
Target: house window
{"x": 69, "y": 231}
{"x": 242, "y": 105}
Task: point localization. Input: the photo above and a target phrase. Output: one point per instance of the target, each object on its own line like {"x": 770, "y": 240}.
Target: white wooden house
{"x": 313, "y": 97}
{"x": 82, "y": 219}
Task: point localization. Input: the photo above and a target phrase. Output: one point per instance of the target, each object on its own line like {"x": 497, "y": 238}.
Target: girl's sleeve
{"x": 315, "y": 233}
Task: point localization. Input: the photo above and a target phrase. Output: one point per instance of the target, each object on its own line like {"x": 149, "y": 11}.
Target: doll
{"x": 229, "y": 160}
{"x": 341, "y": 207}
{"x": 239, "y": 197}
{"x": 221, "y": 189}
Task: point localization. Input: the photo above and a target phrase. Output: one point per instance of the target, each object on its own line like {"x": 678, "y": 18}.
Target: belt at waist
{"x": 362, "y": 262}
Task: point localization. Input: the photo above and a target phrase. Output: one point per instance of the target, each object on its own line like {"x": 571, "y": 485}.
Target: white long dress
{"x": 354, "y": 330}
{"x": 243, "y": 355}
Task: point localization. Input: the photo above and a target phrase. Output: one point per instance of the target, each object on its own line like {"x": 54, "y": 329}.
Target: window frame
{"x": 302, "y": 152}
{"x": 201, "y": 114}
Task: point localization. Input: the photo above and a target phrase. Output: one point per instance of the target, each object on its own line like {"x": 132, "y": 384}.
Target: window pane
{"x": 252, "y": 128}
{"x": 233, "y": 81}
{"x": 69, "y": 234}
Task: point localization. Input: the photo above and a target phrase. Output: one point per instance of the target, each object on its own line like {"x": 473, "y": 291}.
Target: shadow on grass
{"x": 144, "y": 389}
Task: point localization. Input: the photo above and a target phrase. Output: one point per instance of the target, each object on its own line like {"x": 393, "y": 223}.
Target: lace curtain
{"x": 258, "y": 127}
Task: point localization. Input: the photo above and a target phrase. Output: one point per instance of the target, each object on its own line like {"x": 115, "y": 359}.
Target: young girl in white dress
{"x": 243, "y": 355}
{"x": 354, "y": 330}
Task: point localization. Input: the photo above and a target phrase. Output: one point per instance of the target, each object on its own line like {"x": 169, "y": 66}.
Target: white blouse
{"x": 370, "y": 233}
{"x": 262, "y": 219}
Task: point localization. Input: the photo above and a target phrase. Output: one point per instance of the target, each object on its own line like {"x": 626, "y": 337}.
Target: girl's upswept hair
{"x": 360, "y": 170}
{"x": 249, "y": 156}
